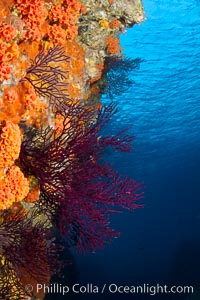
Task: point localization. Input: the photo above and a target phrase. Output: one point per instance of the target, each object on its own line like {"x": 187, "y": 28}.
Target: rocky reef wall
{"x": 52, "y": 57}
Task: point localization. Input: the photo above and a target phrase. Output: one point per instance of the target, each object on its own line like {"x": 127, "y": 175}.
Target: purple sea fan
{"x": 79, "y": 191}
{"x": 47, "y": 76}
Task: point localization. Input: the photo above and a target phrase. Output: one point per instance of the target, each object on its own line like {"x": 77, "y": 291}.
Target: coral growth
{"x": 14, "y": 187}
{"x": 64, "y": 17}
{"x": 104, "y": 23}
{"x": 29, "y": 255}
{"x": 56, "y": 34}
{"x": 10, "y": 143}
{"x": 47, "y": 77}
{"x": 53, "y": 181}
{"x": 114, "y": 24}
{"x": 113, "y": 46}
{"x": 7, "y": 32}
{"x": 117, "y": 75}
{"x": 5, "y": 71}
{"x": 76, "y": 70}
{"x": 21, "y": 103}
{"x": 79, "y": 205}
{"x": 33, "y": 14}
{"x": 8, "y": 51}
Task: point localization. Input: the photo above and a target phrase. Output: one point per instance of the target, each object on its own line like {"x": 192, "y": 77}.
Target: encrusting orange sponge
{"x": 113, "y": 45}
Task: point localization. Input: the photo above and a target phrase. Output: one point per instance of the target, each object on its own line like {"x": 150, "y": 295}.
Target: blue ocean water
{"x": 161, "y": 242}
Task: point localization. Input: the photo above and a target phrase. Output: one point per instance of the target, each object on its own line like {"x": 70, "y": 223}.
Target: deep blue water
{"x": 161, "y": 242}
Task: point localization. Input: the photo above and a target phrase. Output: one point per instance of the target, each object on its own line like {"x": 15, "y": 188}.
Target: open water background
{"x": 161, "y": 242}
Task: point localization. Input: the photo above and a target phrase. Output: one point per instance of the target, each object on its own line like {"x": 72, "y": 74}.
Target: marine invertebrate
{"x": 104, "y": 23}
{"x": 48, "y": 79}
{"x": 5, "y": 71}
{"x": 20, "y": 103}
{"x": 17, "y": 23}
{"x": 64, "y": 17}
{"x": 17, "y": 183}
{"x": 30, "y": 99}
{"x": 33, "y": 15}
{"x": 117, "y": 74}
{"x": 14, "y": 187}
{"x": 114, "y": 24}
{"x": 35, "y": 109}
{"x": 5, "y": 9}
{"x": 8, "y": 54}
{"x": 10, "y": 287}
{"x": 11, "y": 96}
{"x": 76, "y": 78}
{"x": 113, "y": 45}
{"x": 58, "y": 178}
{"x": 78, "y": 193}
{"x": 7, "y": 32}
{"x": 56, "y": 13}
{"x": 10, "y": 143}
{"x": 29, "y": 255}
{"x": 56, "y": 34}
{"x": 72, "y": 32}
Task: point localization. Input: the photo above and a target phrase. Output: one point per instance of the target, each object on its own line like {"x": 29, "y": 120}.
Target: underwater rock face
{"x": 104, "y": 21}
{"x": 52, "y": 57}
{"x": 130, "y": 11}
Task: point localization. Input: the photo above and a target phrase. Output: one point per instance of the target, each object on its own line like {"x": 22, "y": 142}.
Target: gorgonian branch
{"x": 27, "y": 250}
{"x": 47, "y": 77}
{"x": 117, "y": 72}
{"x": 78, "y": 190}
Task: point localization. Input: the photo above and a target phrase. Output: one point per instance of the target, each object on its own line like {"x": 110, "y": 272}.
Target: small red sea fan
{"x": 47, "y": 77}
{"x": 79, "y": 192}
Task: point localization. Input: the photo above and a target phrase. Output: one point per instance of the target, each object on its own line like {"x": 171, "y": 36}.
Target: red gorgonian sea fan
{"x": 79, "y": 192}
{"x": 47, "y": 76}
{"x": 29, "y": 255}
